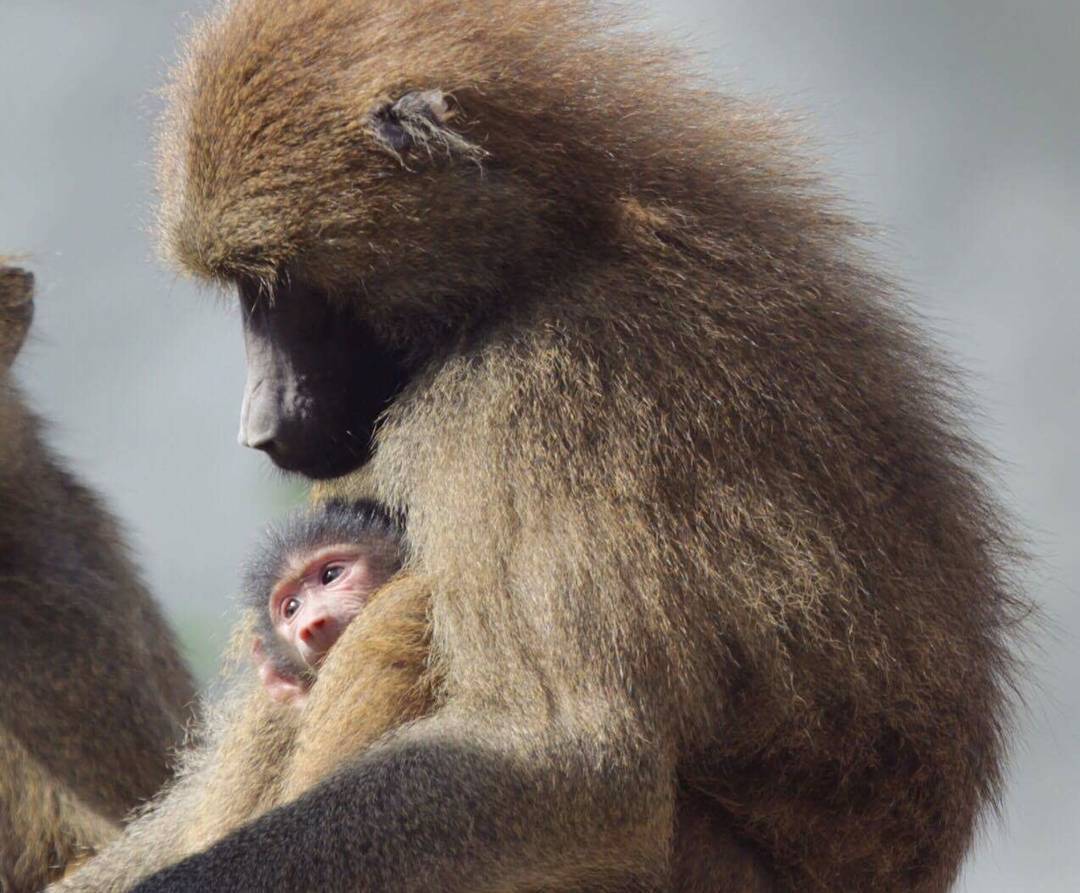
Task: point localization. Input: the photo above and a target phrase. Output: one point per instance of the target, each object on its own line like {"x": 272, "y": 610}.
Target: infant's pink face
{"x": 311, "y": 607}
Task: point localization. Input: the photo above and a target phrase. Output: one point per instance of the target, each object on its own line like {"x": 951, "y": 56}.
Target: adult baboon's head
{"x": 369, "y": 200}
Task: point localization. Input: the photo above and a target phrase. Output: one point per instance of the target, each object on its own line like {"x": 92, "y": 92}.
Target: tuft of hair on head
{"x": 16, "y": 309}
{"x": 16, "y": 284}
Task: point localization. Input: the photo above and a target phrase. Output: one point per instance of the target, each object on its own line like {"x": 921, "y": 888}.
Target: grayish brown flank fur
{"x": 93, "y": 693}
{"x": 702, "y": 533}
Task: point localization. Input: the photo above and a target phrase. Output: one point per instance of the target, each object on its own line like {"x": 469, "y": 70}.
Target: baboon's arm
{"x": 452, "y": 805}
{"x": 222, "y": 781}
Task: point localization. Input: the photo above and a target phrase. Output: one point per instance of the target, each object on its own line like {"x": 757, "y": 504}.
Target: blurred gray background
{"x": 953, "y": 125}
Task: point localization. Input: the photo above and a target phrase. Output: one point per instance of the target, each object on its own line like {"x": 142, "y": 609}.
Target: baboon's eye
{"x": 291, "y": 606}
{"x": 330, "y": 573}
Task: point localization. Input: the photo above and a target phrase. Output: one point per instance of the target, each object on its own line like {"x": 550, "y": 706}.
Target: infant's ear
{"x": 281, "y": 687}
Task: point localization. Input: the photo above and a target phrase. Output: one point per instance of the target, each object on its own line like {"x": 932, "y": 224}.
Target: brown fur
{"x": 16, "y": 310}
{"x": 93, "y": 693}
{"x": 260, "y": 754}
{"x": 44, "y": 826}
{"x": 377, "y": 678}
{"x": 709, "y": 552}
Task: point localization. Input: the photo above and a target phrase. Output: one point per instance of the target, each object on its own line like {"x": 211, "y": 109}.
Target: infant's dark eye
{"x": 330, "y": 573}
{"x": 291, "y": 606}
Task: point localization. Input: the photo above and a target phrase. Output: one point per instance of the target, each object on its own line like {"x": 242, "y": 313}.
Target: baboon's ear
{"x": 419, "y": 120}
{"x": 16, "y": 311}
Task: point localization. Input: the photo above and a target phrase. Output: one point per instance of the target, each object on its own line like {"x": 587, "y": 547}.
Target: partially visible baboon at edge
{"x": 702, "y": 535}
{"x": 93, "y": 694}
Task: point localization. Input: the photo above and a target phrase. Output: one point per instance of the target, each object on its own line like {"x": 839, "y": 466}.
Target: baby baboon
{"x": 377, "y": 675}
{"x": 94, "y": 693}
{"x": 331, "y": 561}
{"x": 311, "y": 578}
{"x": 285, "y": 734}
{"x": 701, "y": 532}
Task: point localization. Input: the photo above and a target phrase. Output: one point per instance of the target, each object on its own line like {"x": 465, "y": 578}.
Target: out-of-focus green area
{"x": 202, "y": 639}
{"x": 203, "y": 628}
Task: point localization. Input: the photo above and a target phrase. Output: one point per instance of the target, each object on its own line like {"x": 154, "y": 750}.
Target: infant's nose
{"x": 319, "y": 633}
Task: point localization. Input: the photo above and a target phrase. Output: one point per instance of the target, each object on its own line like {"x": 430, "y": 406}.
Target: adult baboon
{"x": 701, "y": 533}
{"x": 93, "y": 694}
